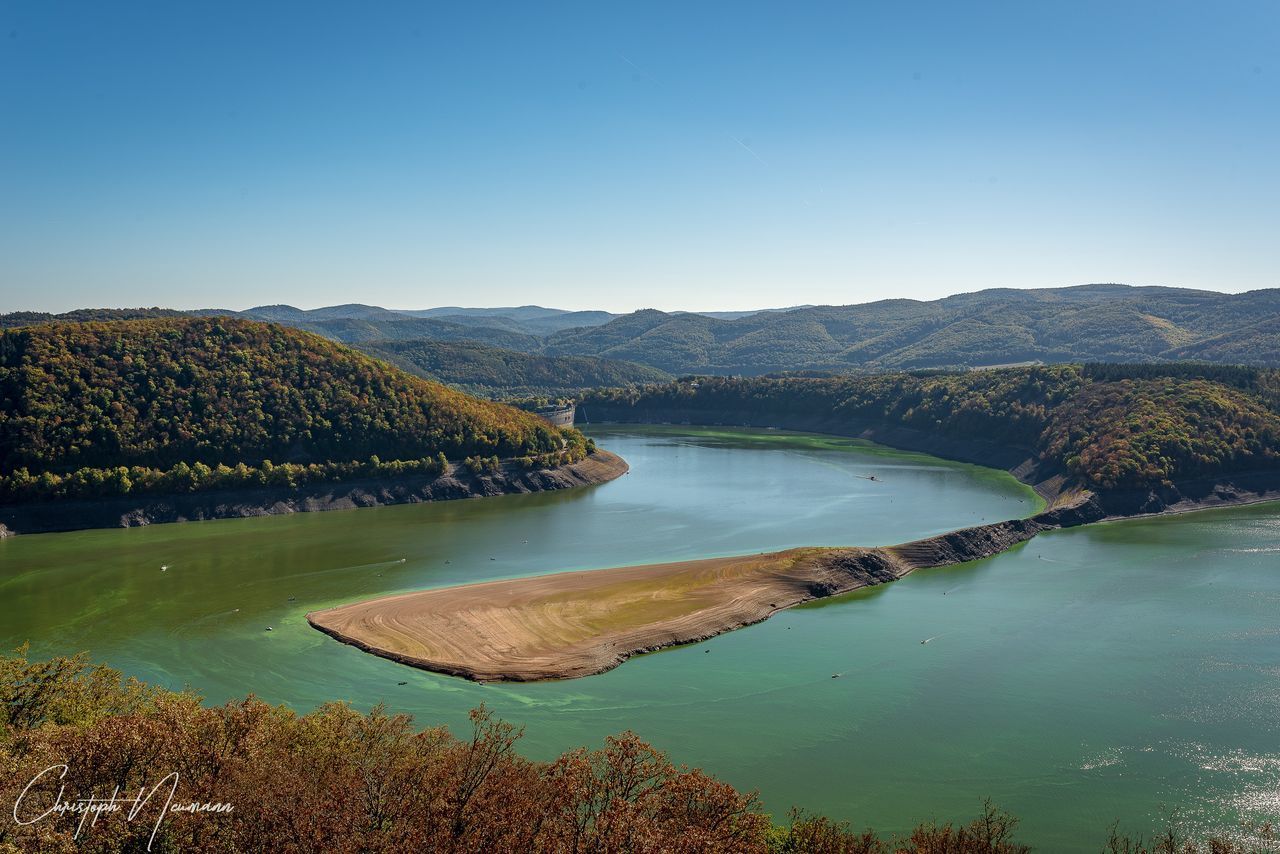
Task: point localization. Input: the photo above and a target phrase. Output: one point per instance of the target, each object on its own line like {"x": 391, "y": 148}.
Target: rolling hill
{"x": 336, "y": 321}
{"x": 494, "y": 372}
{"x": 351, "y": 330}
{"x": 191, "y": 403}
{"x": 1113, "y": 323}
{"x": 1110, "y": 323}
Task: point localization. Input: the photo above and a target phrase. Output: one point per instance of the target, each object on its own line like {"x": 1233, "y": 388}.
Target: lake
{"x": 1108, "y": 672}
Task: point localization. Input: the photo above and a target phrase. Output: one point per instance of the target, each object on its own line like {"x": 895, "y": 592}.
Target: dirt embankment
{"x": 1200, "y": 494}
{"x": 49, "y": 516}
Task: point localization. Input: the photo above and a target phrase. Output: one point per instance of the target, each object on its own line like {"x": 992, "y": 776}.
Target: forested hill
{"x": 1105, "y": 322}
{"x": 1111, "y": 426}
{"x": 109, "y": 408}
{"x": 495, "y": 372}
{"x": 1113, "y": 323}
{"x": 16, "y": 319}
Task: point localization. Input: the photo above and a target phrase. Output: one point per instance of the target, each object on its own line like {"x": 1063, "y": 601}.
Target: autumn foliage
{"x": 185, "y": 404}
{"x": 1114, "y": 426}
{"x": 336, "y": 780}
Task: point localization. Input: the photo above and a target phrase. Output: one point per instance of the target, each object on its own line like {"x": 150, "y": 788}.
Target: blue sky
{"x": 628, "y": 155}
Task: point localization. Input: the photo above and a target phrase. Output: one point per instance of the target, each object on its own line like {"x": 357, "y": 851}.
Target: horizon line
{"x": 753, "y": 310}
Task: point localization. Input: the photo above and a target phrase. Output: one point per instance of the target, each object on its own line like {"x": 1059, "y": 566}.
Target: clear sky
{"x": 625, "y": 155}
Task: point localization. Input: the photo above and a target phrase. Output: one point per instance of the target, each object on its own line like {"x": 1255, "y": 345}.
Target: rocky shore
{"x": 458, "y": 482}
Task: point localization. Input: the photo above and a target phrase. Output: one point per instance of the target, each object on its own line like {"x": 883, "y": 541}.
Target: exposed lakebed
{"x": 1093, "y": 674}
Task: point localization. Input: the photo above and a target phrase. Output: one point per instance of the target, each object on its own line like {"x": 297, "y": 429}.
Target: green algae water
{"x": 1116, "y": 671}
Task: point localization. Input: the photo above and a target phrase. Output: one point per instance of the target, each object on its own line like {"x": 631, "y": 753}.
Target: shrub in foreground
{"x": 138, "y": 768}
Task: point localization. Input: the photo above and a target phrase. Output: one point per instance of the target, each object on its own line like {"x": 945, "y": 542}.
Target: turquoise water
{"x": 1101, "y": 673}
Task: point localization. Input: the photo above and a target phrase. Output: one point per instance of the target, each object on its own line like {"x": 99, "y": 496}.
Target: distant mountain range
{"x": 1104, "y": 322}
{"x": 530, "y": 320}
{"x": 1111, "y": 323}
{"x": 494, "y": 372}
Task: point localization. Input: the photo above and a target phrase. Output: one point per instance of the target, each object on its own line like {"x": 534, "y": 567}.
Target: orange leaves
{"x": 339, "y": 780}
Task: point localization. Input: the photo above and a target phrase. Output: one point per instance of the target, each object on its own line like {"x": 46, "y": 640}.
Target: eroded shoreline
{"x": 55, "y": 516}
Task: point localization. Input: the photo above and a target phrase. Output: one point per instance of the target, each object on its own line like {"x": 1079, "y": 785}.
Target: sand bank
{"x": 578, "y": 623}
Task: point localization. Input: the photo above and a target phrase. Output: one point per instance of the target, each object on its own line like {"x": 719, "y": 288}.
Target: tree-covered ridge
{"x": 1000, "y": 326}
{"x": 1146, "y": 432}
{"x": 1113, "y": 323}
{"x": 495, "y": 372}
{"x": 1112, "y": 426}
{"x": 16, "y": 319}
{"x": 77, "y": 400}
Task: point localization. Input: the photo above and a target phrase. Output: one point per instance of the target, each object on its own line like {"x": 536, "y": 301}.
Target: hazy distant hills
{"x": 1108, "y": 323}
{"x": 532, "y": 319}
{"x": 1113, "y": 323}
{"x": 339, "y": 320}
{"x": 494, "y": 372}
{"x": 489, "y": 352}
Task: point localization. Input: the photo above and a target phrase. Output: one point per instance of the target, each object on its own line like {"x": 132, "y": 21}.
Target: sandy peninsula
{"x": 578, "y": 623}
